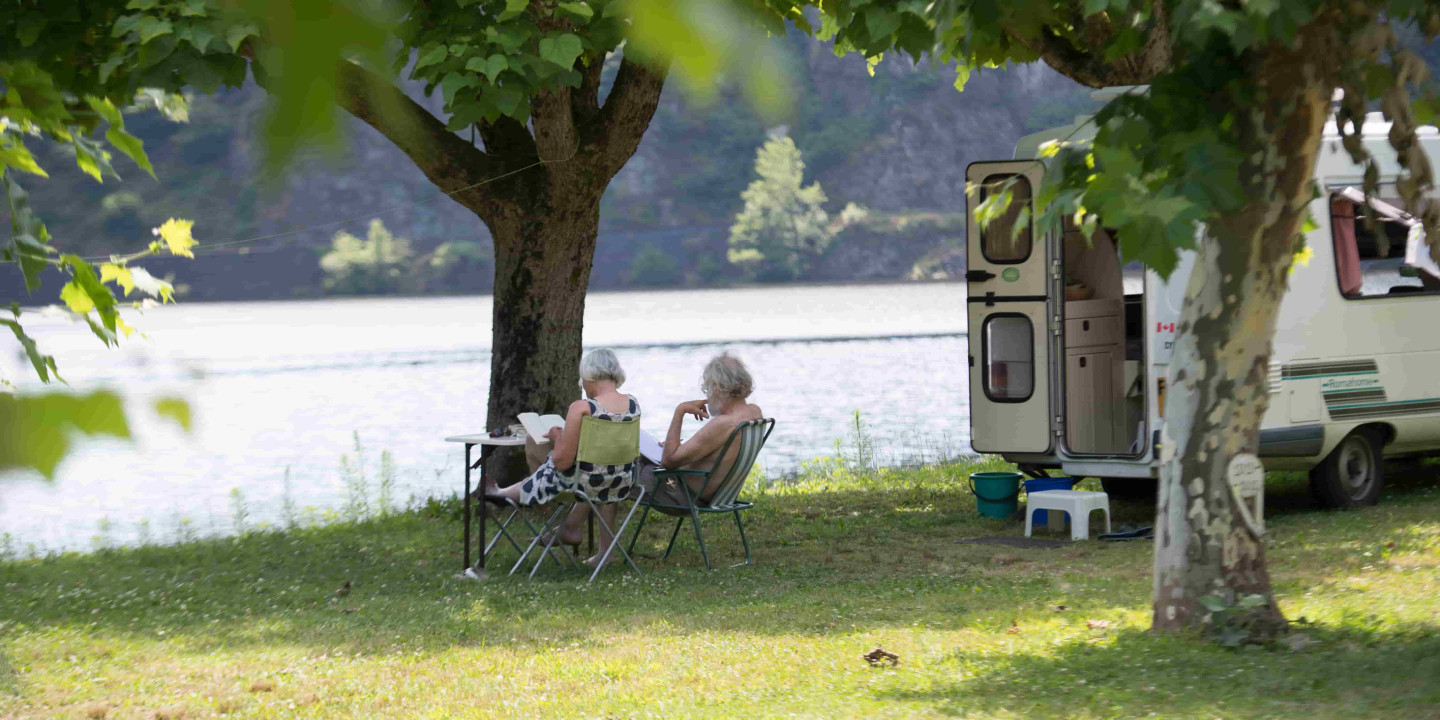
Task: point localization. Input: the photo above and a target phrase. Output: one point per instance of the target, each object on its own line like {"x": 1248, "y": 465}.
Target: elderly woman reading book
{"x": 727, "y": 385}
{"x": 600, "y": 376}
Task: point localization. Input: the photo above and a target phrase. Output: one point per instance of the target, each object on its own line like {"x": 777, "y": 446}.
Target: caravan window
{"x": 1360, "y": 268}
{"x": 998, "y": 241}
{"x": 1009, "y": 357}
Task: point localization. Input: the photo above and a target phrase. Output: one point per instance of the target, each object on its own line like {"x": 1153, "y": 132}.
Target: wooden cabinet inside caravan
{"x": 1095, "y": 376}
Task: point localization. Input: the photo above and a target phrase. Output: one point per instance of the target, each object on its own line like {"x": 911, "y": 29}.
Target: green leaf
{"x": 490, "y": 68}
{"x": 176, "y": 409}
{"x": 120, "y": 275}
{"x": 513, "y": 8}
{"x": 561, "y": 50}
{"x": 141, "y": 4}
{"x": 29, "y": 28}
{"x": 15, "y": 154}
{"x": 881, "y": 23}
{"x": 28, "y": 233}
{"x": 454, "y": 81}
{"x": 235, "y": 35}
{"x": 432, "y": 56}
{"x": 193, "y": 8}
{"x": 39, "y": 427}
{"x": 108, "y": 67}
{"x": 505, "y": 99}
{"x": 1250, "y": 602}
{"x": 75, "y": 298}
{"x": 151, "y": 28}
{"x": 200, "y": 37}
{"x": 92, "y": 159}
{"x": 131, "y": 146}
{"x": 1095, "y": 6}
{"x": 106, "y": 109}
{"x": 44, "y": 364}
{"x": 1213, "y": 603}
{"x": 99, "y": 294}
{"x": 578, "y": 9}
{"x": 176, "y": 236}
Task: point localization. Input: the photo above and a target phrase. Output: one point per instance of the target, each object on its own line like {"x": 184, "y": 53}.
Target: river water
{"x": 289, "y": 385}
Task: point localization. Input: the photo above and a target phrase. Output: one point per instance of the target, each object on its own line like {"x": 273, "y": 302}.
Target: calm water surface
{"x": 280, "y": 385}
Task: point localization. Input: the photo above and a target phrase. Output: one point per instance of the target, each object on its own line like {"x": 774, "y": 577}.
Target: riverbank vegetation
{"x": 366, "y": 618}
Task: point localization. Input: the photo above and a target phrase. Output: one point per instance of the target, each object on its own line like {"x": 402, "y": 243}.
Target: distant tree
{"x": 457, "y": 266}
{"x": 653, "y": 266}
{"x": 377, "y": 263}
{"x": 784, "y": 226}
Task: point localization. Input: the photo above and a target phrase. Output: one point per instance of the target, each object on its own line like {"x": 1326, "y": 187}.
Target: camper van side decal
{"x": 1401, "y": 407}
{"x": 1299, "y": 371}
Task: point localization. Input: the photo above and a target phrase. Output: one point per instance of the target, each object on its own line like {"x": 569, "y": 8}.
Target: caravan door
{"x": 1007, "y": 284}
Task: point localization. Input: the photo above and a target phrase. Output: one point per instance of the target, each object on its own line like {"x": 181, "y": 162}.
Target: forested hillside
{"x": 896, "y": 143}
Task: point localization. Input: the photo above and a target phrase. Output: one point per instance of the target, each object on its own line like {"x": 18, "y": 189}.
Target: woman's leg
{"x": 608, "y": 512}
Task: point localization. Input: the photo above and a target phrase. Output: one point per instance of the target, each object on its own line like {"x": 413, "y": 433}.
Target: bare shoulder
{"x": 579, "y": 407}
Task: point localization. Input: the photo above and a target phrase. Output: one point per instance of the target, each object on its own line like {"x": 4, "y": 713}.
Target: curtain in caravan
{"x": 1347, "y": 255}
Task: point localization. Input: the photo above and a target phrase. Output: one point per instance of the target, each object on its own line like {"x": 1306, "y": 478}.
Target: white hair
{"x": 726, "y": 376}
{"x": 602, "y": 365}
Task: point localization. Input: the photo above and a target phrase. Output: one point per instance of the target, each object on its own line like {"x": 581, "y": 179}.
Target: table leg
{"x": 466, "y": 540}
{"x": 484, "y": 511}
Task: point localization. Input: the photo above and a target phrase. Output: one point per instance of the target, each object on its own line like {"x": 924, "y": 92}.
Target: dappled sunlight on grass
{"x": 264, "y": 625}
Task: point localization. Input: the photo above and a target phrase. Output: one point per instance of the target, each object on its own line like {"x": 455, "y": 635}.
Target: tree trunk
{"x": 543, "y": 255}
{"x": 537, "y": 186}
{"x": 1220, "y": 368}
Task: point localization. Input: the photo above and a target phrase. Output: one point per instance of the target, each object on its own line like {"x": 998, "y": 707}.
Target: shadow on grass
{"x": 1134, "y": 674}
{"x": 827, "y": 562}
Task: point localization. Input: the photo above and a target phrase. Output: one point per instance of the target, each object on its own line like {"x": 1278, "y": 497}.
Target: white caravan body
{"x": 1069, "y": 351}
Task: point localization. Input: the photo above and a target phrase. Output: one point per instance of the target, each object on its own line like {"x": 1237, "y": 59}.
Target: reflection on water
{"x": 277, "y": 385}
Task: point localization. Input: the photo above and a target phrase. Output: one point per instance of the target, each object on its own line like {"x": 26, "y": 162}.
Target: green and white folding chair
{"x": 602, "y": 442}
{"x": 751, "y": 435}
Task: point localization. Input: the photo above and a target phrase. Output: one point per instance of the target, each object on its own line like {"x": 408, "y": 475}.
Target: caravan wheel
{"x": 1352, "y": 475}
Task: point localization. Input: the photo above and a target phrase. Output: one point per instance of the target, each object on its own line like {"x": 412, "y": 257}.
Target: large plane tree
{"x": 1216, "y": 156}
{"x": 542, "y": 103}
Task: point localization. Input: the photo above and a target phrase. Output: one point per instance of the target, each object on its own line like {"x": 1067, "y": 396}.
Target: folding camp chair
{"x": 502, "y": 530}
{"x": 602, "y": 442}
{"x": 752, "y": 435}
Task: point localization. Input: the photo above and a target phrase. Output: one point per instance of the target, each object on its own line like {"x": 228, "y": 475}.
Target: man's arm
{"x": 675, "y": 454}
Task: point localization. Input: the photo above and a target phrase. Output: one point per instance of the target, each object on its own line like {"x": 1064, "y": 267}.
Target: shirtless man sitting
{"x": 727, "y": 386}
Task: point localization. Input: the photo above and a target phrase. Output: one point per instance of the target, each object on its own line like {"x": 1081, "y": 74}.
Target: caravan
{"x": 1069, "y": 349}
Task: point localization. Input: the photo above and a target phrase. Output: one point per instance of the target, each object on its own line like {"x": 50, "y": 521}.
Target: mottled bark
{"x": 543, "y": 212}
{"x": 1219, "y": 371}
{"x": 1076, "y": 48}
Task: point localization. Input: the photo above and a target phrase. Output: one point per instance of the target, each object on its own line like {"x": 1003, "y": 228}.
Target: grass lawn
{"x": 252, "y": 627}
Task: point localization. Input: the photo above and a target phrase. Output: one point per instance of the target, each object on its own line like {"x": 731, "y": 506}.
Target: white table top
{"x": 484, "y": 439}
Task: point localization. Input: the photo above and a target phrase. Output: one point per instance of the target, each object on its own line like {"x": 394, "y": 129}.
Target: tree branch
{"x": 1079, "y": 53}
{"x": 555, "y": 133}
{"x": 449, "y": 161}
{"x": 507, "y": 138}
{"x": 618, "y": 127}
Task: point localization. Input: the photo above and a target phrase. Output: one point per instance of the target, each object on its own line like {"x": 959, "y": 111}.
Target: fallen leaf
{"x": 1097, "y": 624}
{"x": 262, "y": 686}
{"x": 1014, "y": 628}
{"x": 880, "y": 655}
{"x": 1060, "y": 608}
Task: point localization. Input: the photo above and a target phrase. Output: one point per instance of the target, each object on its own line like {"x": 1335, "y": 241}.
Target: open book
{"x": 536, "y": 425}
